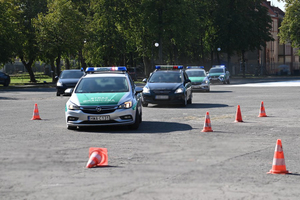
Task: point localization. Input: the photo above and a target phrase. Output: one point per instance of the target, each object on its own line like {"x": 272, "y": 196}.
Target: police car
{"x": 219, "y": 74}
{"x": 104, "y": 96}
{"x": 168, "y": 84}
{"x": 199, "y": 79}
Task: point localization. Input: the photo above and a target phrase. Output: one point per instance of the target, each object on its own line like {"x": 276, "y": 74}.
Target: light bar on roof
{"x": 100, "y": 69}
{"x": 168, "y": 67}
{"x": 195, "y": 67}
{"x": 218, "y": 66}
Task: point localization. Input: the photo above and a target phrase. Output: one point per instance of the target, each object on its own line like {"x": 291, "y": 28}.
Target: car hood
{"x": 197, "y": 79}
{"x": 71, "y": 80}
{"x": 163, "y": 86}
{"x": 215, "y": 74}
{"x": 88, "y": 99}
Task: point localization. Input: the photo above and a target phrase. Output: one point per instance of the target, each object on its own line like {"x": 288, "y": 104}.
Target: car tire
{"x": 144, "y": 104}
{"x": 185, "y": 101}
{"x": 6, "y": 83}
{"x": 137, "y": 122}
{"x": 208, "y": 90}
{"x": 57, "y": 93}
{"x": 190, "y": 100}
{"x": 228, "y": 81}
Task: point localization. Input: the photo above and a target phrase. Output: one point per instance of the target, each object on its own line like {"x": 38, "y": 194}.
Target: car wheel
{"x": 144, "y": 104}
{"x": 137, "y": 121}
{"x": 228, "y": 81}
{"x": 57, "y": 93}
{"x": 6, "y": 83}
{"x": 190, "y": 100}
{"x": 184, "y": 103}
{"x": 208, "y": 90}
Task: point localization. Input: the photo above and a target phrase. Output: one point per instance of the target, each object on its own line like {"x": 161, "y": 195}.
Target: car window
{"x": 166, "y": 77}
{"x": 195, "y": 73}
{"x": 102, "y": 85}
{"x": 216, "y": 70}
{"x": 71, "y": 74}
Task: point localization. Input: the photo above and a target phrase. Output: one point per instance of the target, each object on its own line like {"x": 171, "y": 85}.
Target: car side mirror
{"x": 138, "y": 90}
{"x": 69, "y": 91}
{"x": 144, "y": 80}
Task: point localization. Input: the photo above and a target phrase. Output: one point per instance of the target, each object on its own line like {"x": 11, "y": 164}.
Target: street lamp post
{"x": 152, "y": 59}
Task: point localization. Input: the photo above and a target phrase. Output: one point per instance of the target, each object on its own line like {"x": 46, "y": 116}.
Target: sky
{"x": 278, "y": 4}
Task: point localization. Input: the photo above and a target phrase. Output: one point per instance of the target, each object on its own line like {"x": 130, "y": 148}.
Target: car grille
{"x": 70, "y": 85}
{"x": 196, "y": 83}
{"x": 161, "y": 91}
{"x": 92, "y": 109}
{"x": 214, "y": 76}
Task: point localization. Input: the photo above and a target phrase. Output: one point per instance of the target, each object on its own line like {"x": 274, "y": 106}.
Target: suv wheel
{"x": 137, "y": 121}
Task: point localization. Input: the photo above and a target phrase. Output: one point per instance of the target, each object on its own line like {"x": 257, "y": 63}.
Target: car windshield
{"x": 166, "y": 77}
{"x": 102, "y": 85}
{"x": 216, "y": 70}
{"x": 195, "y": 73}
{"x": 71, "y": 74}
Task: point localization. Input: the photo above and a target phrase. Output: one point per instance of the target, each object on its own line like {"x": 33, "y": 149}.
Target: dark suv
{"x": 167, "y": 85}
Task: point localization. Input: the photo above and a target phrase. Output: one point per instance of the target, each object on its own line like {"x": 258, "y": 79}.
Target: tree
{"x": 8, "y": 34}
{"x": 60, "y": 31}
{"x": 290, "y": 26}
{"x": 26, "y": 44}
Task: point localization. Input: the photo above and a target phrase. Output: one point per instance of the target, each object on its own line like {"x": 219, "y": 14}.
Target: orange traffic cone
{"x": 278, "y": 166}
{"x": 262, "y": 112}
{"x": 36, "y": 115}
{"x": 97, "y": 157}
{"x": 238, "y": 116}
{"x": 207, "y": 125}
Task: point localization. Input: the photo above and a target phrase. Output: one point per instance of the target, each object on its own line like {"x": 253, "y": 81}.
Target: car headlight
{"x": 146, "y": 90}
{"x": 73, "y": 106}
{"x": 59, "y": 83}
{"x": 179, "y": 90}
{"x": 205, "y": 82}
{"x": 127, "y": 104}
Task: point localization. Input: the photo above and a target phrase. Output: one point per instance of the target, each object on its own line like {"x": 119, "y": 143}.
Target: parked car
{"x": 167, "y": 85}
{"x": 4, "y": 79}
{"x": 198, "y": 76}
{"x": 219, "y": 74}
{"x": 67, "y": 79}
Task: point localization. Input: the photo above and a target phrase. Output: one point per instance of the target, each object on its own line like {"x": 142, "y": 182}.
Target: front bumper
{"x": 200, "y": 87}
{"x": 163, "y": 98}
{"x": 217, "y": 79}
{"x": 118, "y": 117}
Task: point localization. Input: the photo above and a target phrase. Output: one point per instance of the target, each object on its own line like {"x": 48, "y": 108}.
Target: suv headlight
{"x": 179, "y": 90}
{"x": 205, "y": 82}
{"x": 73, "y": 106}
{"x": 146, "y": 90}
{"x": 127, "y": 104}
{"x": 59, "y": 83}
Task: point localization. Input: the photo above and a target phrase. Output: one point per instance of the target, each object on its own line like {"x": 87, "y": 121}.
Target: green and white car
{"x": 104, "y": 96}
{"x": 219, "y": 74}
{"x": 197, "y": 75}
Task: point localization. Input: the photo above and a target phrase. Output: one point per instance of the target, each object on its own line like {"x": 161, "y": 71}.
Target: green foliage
{"x": 290, "y": 26}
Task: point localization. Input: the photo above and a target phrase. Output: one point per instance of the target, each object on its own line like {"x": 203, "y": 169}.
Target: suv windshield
{"x": 216, "y": 70}
{"x": 70, "y": 74}
{"x": 166, "y": 77}
{"x": 102, "y": 84}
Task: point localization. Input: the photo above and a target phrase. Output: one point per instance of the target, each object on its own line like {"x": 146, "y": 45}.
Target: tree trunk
{"x": 58, "y": 65}
{"x": 243, "y": 64}
{"x": 52, "y": 70}
{"x": 68, "y": 66}
{"x": 28, "y": 67}
{"x": 147, "y": 66}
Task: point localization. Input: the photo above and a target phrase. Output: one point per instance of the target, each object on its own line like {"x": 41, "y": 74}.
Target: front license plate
{"x": 161, "y": 97}
{"x": 214, "y": 79}
{"x": 100, "y": 118}
{"x": 196, "y": 86}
